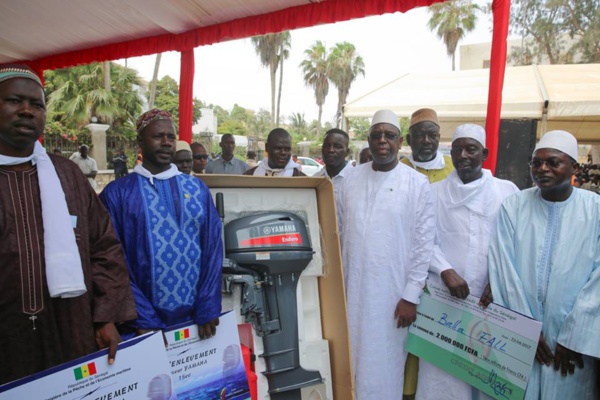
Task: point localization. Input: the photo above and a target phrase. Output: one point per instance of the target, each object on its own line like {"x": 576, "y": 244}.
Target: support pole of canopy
{"x": 542, "y": 87}
{"x": 501, "y": 12}
{"x": 186, "y": 94}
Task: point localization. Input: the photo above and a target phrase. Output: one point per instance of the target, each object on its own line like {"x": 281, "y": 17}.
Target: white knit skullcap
{"x": 471, "y": 131}
{"x": 385, "y": 117}
{"x": 559, "y": 140}
{"x": 182, "y": 145}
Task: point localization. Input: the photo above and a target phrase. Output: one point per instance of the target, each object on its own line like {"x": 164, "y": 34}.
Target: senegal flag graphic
{"x": 182, "y": 334}
{"x": 84, "y": 371}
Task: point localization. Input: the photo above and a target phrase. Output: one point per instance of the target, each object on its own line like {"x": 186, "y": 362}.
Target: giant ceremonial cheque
{"x": 491, "y": 349}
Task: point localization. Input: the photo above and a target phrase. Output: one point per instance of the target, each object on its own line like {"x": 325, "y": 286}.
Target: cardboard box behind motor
{"x": 332, "y": 306}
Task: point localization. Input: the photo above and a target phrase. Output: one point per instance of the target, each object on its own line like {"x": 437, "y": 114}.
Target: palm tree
{"x": 452, "y": 20}
{"x": 297, "y": 120}
{"x": 129, "y": 101}
{"x": 79, "y": 93}
{"x": 82, "y": 95}
{"x": 284, "y": 53}
{"x": 314, "y": 68}
{"x": 298, "y": 126}
{"x": 343, "y": 66}
{"x": 268, "y": 49}
{"x": 106, "y": 70}
{"x": 152, "y": 96}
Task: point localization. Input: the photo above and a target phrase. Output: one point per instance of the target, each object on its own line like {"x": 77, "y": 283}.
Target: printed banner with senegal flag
{"x": 85, "y": 370}
{"x": 211, "y": 368}
{"x": 140, "y": 366}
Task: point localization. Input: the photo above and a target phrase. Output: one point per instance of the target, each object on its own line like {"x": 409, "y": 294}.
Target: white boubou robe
{"x": 387, "y": 227}
{"x": 544, "y": 262}
{"x": 466, "y": 216}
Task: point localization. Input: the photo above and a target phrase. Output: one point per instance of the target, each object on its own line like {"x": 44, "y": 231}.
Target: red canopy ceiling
{"x": 50, "y": 34}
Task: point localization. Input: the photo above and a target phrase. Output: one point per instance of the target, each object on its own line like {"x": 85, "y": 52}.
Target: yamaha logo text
{"x": 268, "y": 230}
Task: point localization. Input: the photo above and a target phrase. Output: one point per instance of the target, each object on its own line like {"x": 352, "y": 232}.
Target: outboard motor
{"x": 267, "y": 253}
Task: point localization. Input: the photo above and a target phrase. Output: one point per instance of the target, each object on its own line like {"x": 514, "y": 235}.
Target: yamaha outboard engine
{"x": 267, "y": 253}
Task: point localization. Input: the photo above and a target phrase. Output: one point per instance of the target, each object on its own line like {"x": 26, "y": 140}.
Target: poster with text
{"x": 140, "y": 371}
{"x": 211, "y": 368}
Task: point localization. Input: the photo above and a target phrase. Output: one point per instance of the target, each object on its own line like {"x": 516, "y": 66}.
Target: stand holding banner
{"x": 491, "y": 349}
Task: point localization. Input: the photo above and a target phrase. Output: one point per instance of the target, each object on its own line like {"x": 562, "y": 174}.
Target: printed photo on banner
{"x": 211, "y": 368}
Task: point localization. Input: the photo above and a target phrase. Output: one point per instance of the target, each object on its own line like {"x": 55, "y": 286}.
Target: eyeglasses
{"x": 378, "y": 135}
{"x": 551, "y": 163}
{"x": 200, "y": 156}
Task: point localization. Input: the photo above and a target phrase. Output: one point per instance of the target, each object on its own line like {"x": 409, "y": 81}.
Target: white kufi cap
{"x": 470, "y": 131}
{"x": 182, "y": 145}
{"x": 559, "y": 140}
{"x": 385, "y": 117}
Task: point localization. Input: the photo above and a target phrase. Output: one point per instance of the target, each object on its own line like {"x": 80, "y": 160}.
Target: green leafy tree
{"x": 583, "y": 18}
{"x": 167, "y": 98}
{"x": 298, "y": 125}
{"x": 343, "y": 66}
{"x": 240, "y": 114}
{"x": 557, "y": 31}
{"x": 77, "y": 94}
{"x": 259, "y": 125}
{"x": 129, "y": 105}
{"x": 302, "y": 130}
{"x": 360, "y": 127}
{"x": 236, "y": 122}
{"x": 220, "y": 113}
{"x": 269, "y": 48}
{"x": 241, "y": 121}
{"x": 314, "y": 67}
{"x": 451, "y": 20}
{"x": 232, "y": 126}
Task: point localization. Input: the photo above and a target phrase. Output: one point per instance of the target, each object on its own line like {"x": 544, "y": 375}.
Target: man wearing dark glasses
{"x": 200, "y": 158}
{"x": 387, "y": 226}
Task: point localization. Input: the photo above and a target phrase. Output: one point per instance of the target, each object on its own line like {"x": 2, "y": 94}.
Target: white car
{"x": 309, "y": 166}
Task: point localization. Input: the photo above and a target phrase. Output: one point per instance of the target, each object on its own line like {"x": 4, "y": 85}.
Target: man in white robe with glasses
{"x": 387, "y": 227}
{"x": 544, "y": 262}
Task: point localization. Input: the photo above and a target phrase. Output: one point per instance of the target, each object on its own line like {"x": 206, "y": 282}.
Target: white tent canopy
{"x": 568, "y": 96}
{"x": 58, "y": 26}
